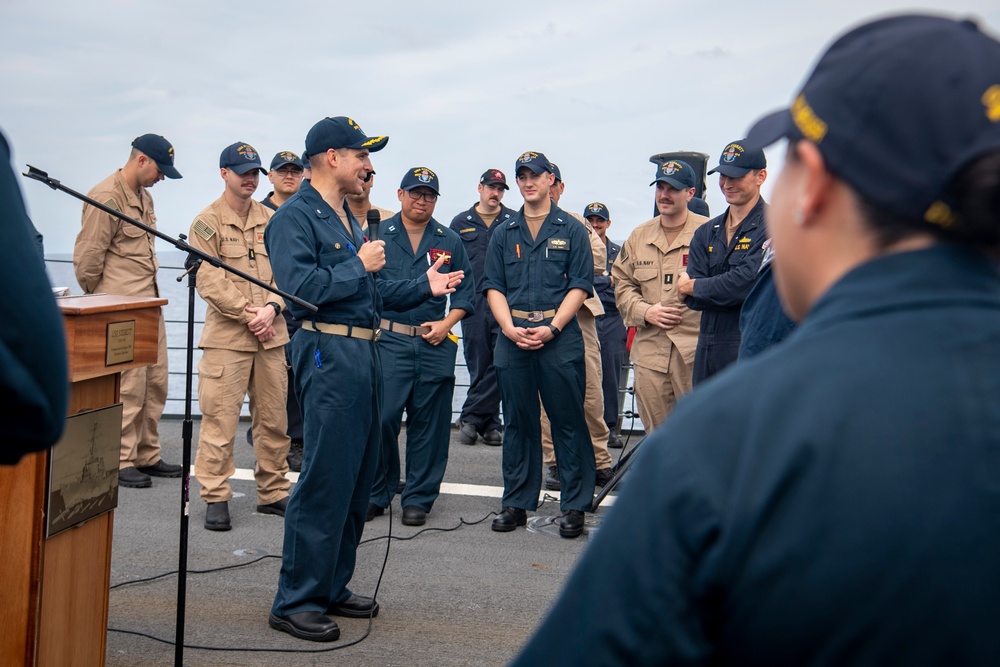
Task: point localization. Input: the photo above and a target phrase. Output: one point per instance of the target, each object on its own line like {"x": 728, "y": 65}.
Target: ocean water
{"x": 60, "y": 270}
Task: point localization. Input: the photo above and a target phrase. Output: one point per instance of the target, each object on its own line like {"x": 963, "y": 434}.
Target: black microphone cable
{"x": 373, "y": 221}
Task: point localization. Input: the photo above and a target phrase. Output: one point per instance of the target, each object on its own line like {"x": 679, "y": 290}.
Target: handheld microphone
{"x": 374, "y": 220}
{"x": 368, "y": 175}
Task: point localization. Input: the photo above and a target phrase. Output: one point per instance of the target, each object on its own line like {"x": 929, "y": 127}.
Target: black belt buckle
{"x": 535, "y": 316}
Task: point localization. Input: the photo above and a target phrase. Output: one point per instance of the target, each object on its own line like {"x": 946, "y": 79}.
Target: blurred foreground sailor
{"x": 835, "y": 500}
{"x": 33, "y": 387}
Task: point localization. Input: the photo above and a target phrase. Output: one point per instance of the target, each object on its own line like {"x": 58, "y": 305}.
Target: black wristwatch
{"x": 555, "y": 330}
{"x": 277, "y": 308}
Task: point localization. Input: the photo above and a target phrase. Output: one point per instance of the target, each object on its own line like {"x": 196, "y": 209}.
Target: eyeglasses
{"x": 428, "y": 196}
{"x": 289, "y": 171}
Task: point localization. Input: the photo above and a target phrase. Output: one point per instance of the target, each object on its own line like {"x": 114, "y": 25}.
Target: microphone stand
{"x": 194, "y": 260}
{"x": 623, "y": 465}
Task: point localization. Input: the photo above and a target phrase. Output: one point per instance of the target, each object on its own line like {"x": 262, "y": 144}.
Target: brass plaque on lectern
{"x": 121, "y": 342}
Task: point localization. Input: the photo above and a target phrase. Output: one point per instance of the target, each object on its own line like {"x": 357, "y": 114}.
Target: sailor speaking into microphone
{"x": 319, "y": 254}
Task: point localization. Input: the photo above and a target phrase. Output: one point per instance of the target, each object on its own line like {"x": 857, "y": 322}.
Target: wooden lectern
{"x": 54, "y": 590}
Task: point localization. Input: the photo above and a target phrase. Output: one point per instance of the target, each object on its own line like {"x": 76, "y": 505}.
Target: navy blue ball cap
{"x": 420, "y": 177}
{"x": 240, "y": 158}
{"x": 340, "y": 132}
{"x": 737, "y": 160}
{"x": 286, "y": 157}
{"x": 494, "y": 177}
{"x": 676, "y": 173}
{"x": 555, "y": 171}
{"x": 598, "y": 209}
{"x": 159, "y": 150}
{"x": 699, "y": 206}
{"x": 898, "y": 107}
{"x": 536, "y": 162}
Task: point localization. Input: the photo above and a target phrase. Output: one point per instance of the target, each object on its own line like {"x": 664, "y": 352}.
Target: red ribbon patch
{"x": 435, "y": 253}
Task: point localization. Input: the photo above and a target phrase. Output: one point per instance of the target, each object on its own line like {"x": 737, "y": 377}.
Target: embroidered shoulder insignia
{"x": 203, "y": 230}
{"x": 111, "y": 203}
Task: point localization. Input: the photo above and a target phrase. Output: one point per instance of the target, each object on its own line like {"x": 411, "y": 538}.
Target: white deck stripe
{"x": 475, "y": 490}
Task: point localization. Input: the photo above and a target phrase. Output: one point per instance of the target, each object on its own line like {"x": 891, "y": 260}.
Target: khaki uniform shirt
{"x": 218, "y": 231}
{"x": 600, "y": 251}
{"x": 645, "y": 273}
{"x": 112, "y": 256}
{"x": 383, "y": 214}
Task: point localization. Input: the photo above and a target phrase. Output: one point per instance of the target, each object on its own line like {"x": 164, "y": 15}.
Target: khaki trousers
{"x": 143, "y": 395}
{"x": 593, "y": 402}
{"x": 656, "y": 392}
{"x": 224, "y": 378}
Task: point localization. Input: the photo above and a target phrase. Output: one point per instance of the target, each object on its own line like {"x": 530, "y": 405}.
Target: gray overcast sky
{"x": 458, "y": 86}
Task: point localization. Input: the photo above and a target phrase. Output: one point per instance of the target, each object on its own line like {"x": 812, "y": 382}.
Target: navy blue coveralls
{"x": 417, "y": 376}
{"x": 480, "y": 328}
{"x": 315, "y": 259}
{"x": 724, "y": 274}
{"x": 763, "y": 322}
{"x": 611, "y": 334}
{"x": 832, "y": 501}
{"x": 536, "y": 275}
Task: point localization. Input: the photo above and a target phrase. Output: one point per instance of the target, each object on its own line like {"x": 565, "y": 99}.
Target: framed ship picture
{"x": 83, "y": 469}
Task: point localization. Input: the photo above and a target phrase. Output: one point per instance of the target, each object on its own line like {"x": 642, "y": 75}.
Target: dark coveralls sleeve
{"x": 494, "y": 276}
{"x": 464, "y": 296}
{"x": 33, "y": 371}
{"x": 404, "y": 294}
{"x": 713, "y": 290}
{"x": 332, "y": 275}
